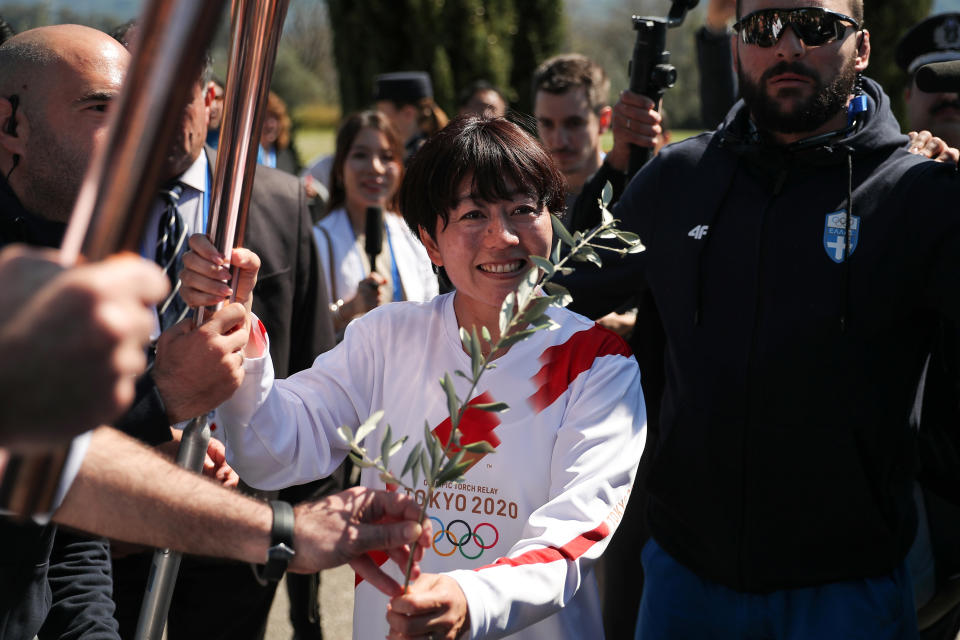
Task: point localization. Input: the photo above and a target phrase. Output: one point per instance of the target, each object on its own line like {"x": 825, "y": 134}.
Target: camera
{"x": 651, "y": 73}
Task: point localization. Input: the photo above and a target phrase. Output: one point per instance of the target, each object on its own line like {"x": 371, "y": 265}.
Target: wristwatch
{"x": 281, "y": 544}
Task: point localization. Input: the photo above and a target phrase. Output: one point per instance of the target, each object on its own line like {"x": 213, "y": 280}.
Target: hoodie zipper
{"x": 750, "y": 385}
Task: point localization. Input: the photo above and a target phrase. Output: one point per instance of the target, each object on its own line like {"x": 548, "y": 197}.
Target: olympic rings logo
{"x": 459, "y": 535}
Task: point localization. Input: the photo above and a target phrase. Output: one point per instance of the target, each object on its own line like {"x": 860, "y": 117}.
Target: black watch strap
{"x": 281, "y": 544}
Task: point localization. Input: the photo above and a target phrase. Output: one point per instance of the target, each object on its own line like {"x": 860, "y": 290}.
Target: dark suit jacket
{"x": 289, "y": 296}
{"x": 291, "y": 289}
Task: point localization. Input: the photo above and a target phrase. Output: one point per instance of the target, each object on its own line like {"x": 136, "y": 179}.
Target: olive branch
{"x": 522, "y": 314}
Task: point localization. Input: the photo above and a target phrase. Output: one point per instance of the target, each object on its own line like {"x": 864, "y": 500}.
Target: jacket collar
{"x": 19, "y": 225}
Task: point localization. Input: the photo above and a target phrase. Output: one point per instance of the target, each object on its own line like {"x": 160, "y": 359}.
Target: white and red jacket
{"x": 521, "y": 533}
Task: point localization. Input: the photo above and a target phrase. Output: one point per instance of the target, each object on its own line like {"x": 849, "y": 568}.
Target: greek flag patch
{"x": 834, "y": 230}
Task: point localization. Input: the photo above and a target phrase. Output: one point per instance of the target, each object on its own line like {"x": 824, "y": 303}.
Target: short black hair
{"x": 496, "y": 155}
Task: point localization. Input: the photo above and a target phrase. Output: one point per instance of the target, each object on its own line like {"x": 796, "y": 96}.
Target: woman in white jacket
{"x": 513, "y": 546}
{"x": 367, "y": 170}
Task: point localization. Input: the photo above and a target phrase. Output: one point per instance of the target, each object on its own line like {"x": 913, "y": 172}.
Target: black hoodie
{"x": 785, "y": 459}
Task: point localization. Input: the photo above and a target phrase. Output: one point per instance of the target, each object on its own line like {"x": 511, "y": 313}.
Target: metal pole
{"x": 255, "y": 30}
{"x": 166, "y": 563}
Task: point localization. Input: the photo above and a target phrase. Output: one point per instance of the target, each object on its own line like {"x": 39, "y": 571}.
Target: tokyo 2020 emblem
{"x": 460, "y": 536}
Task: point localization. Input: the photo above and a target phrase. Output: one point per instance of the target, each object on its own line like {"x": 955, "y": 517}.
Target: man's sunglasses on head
{"x": 813, "y": 25}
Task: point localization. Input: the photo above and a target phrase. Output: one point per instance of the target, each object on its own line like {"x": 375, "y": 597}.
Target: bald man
{"x": 56, "y": 84}
{"x": 52, "y": 110}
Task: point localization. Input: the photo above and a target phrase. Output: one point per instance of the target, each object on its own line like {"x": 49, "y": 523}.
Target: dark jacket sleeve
{"x": 146, "y": 419}
{"x": 718, "y": 84}
{"x": 585, "y": 212}
{"x": 597, "y": 292}
{"x": 312, "y": 332}
{"x": 81, "y": 583}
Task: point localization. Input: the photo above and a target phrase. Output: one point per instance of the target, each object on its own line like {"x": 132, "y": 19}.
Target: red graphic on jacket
{"x": 562, "y": 363}
{"x": 475, "y": 425}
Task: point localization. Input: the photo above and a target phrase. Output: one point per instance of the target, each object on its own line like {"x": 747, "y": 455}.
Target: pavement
{"x": 336, "y": 607}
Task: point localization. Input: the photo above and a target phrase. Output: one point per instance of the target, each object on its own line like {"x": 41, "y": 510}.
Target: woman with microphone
{"x": 368, "y": 253}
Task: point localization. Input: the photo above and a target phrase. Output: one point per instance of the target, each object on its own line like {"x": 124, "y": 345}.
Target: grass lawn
{"x": 312, "y": 143}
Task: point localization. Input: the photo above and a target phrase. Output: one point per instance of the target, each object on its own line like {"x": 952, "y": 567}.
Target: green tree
{"x": 456, "y": 41}
{"x": 539, "y": 35}
{"x": 293, "y": 81}
{"x": 887, "y": 22}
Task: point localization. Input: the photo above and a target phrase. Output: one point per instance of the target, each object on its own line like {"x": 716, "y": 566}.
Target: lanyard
{"x": 394, "y": 272}
{"x": 206, "y": 200}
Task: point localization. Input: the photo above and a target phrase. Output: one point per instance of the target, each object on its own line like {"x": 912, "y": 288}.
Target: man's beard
{"x": 56, "y": 174}
{"x": 823, "y": 104}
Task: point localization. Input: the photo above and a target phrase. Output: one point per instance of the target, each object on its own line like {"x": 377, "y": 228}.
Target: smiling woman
{"x": 480, "y": 200}
{"x": 366, "y": 172}
{"x": 512, "y": 547}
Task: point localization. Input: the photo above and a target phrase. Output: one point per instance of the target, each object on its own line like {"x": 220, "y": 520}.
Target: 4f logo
{"x": 834, "y": 234}
{"x": 698, "y": 232}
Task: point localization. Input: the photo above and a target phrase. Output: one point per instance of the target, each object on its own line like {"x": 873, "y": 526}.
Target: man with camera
{"x": 798, "y": 284}
{"x": 571, "y": 104}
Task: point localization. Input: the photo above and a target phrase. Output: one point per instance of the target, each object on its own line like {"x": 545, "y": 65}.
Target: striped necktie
{"x": 171, "y": 245}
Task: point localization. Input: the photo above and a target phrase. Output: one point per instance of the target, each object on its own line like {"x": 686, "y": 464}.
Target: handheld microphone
{"x": 373, "y": 235}
{"x": 939, "y": 77}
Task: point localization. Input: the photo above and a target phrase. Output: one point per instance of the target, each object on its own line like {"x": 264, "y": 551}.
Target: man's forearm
{"x": 128, "y": 492}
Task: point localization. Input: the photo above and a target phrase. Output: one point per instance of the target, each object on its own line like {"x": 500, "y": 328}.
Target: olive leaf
{"x": 493, "y": 407}
{"x": 369, "y": 425}
{"x": 562, "y": 232}
{"x": 481, "y": 446}
{"x": 545, "y": 265}
{"x": 453, "y": 403}
{"x": 412, "y": 460}
{"x": 606, "y": 196}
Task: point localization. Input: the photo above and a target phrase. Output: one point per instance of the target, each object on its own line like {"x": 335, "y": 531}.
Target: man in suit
{"x": 217, "y": 598}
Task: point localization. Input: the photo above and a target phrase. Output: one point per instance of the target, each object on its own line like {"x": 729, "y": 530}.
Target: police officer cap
{"x": 402, "y": 86}
{"x": 936, "y": 39}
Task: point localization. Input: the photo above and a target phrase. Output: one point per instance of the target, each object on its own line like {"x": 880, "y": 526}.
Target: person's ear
{"x": 433, "y": 250}
{"x": 210, "y": 95}
{"x": 862, "y": 59}
{"x": 605, "y": 118}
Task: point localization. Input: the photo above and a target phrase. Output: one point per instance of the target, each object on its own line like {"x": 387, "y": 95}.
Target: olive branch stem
{"x": 522, "y": 314}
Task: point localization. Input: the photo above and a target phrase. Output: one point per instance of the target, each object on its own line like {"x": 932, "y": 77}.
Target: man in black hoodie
{"x": 796, "y": 264}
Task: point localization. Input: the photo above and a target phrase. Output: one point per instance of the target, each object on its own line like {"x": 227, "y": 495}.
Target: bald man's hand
{"x": 343, "y": 527}
{"x": 72, "y": 342}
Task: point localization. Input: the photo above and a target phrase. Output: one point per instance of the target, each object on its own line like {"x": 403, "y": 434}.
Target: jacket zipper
{"x": 750, "y": 385}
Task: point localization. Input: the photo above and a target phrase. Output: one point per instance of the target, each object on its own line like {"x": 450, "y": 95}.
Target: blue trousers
{"x": 678, "y": 604}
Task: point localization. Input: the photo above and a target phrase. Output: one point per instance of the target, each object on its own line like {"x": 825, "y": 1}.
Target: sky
{"x": 946, "y": 5}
